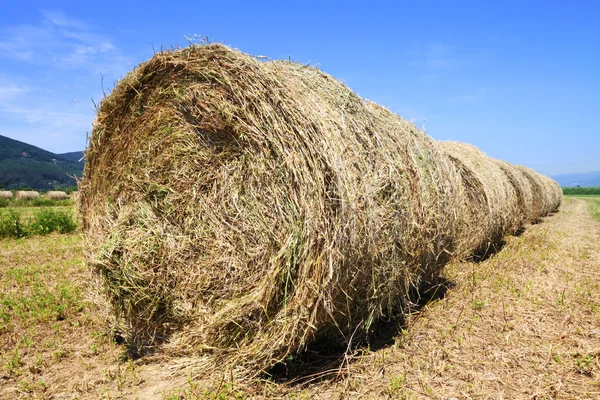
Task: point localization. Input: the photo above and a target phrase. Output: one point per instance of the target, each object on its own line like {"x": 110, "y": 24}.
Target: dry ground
{"x": 524, "y": 324}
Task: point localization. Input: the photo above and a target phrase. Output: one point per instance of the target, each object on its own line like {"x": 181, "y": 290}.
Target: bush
{"x": 44, "y": 222}
{"x": 11, "y": 224}
{"x": 47, "y": 220}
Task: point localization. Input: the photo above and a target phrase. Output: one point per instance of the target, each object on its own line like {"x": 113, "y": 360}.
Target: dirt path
{"x": 524, "y": 324}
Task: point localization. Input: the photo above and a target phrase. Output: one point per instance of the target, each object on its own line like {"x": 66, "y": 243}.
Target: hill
{"x": 589, "y": 179}
{"x": 75, "y": 156}
{"x": 25, "y": 166}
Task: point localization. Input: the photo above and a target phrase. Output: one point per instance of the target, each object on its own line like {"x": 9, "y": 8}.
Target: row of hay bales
{"x": 498, "y": 198}
{"x": 31, "y": 194}
{"x": 239, "y": 209}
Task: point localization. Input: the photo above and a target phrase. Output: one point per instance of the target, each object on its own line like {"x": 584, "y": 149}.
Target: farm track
{"x": 524, "y": 324}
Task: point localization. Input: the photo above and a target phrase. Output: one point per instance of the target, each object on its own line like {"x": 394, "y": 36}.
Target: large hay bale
{"x": 490, "y": 204}
{"x": 26, "y": 195}
{"x": 56, "y": 195}
{"x": 6, "y": 194}
{"x": 74, "y": 196}
{"x": 242, "y": 208}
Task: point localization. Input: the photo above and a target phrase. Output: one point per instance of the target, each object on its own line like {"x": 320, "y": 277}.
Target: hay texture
{"x": 26, "y": 195}
{"x": 56, "y": 195}
{"x": 547, "y": 194}
{"x": 6, "y": 194}
{"x": 497, "y": 198}
{"x": 241, "y": 208}
{"x": 490, "y": 207}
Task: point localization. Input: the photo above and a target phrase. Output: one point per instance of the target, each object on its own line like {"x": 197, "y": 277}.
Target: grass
{"x": 39, "y": 202}
{"x": 522, "y": 324}
{"x": 594, "y": 205}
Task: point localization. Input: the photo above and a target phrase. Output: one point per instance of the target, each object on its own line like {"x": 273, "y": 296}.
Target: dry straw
{"x": 6, "y": 194}
{"x": 490, "y": 206}
{"x": 56, "y": 195}
{"x": 238, "y": 208}
{"x": 26, "y": 195}
{"x": 246, "y": 207}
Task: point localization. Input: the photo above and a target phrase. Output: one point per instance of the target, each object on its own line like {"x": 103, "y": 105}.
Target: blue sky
{"x": 520, "y": 80}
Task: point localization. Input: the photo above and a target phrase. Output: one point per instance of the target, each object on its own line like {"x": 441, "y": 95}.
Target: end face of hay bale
{"x": 6, "y": 194}
{"x": 241, "y": 207}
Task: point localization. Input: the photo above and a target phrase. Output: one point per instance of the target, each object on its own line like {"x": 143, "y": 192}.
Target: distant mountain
{"x": 589, "y": 179}
{"x": 25, "y": 166}
{"x": 76, "y": 156}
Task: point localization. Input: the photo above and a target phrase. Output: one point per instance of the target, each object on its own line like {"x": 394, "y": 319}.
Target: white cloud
{"x": 49, "y": 71}
{"x": 59, "y": 41}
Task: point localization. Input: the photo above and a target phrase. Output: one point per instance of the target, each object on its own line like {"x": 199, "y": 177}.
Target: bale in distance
{"x": 56, "y": 195}
{"x": 524, "y": 213}
{"x": 242, "y": 208}
{"x": 490, "y": 206}
{"x": 26, "y": 195}
{"x": 6, "y": 194}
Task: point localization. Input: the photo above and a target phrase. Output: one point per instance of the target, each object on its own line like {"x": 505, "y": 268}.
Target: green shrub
{"x": 47, "y": 220}
{"x": 11, "y": 224}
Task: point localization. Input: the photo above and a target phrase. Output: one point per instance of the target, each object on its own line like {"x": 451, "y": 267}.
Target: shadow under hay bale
{"x": 240, "y": 209}
{"x": 327, "y": 358}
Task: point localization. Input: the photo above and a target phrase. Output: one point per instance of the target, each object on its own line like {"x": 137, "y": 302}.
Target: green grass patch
{"x": 594, "y": 205}
{"x": 39, "y": 202}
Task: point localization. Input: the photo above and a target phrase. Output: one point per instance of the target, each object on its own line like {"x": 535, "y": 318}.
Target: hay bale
{"x": 523, "y": 191}
{"x": 490, "y": 206}
{"x": 74, "y": 196}
{"x": 547, "y": 193}
{"x": 6, "y": 194}
{"x": 56, "y": 195}
{"x": 26, "y": 195}
{"x": 242, "y": 208}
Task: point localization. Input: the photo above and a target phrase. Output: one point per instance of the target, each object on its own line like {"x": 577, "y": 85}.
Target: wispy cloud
{"x": 49, "y": 69}
{"x": 60, "y": 41}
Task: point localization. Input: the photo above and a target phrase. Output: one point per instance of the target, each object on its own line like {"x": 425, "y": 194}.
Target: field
{"x": 523, "y": 324}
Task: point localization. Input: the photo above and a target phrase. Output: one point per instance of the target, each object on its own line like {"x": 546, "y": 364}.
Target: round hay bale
{"x": 547, "y": 194}
{"x": 56, "y": 195}
{"x": 490, "y": 203}
{"x": 74, "y": 196}
{"x": 26, "y": 195}
{"x": 6, "y": 194}
{"x": 523, "y": 191}
{"x": 243, "y": 208}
